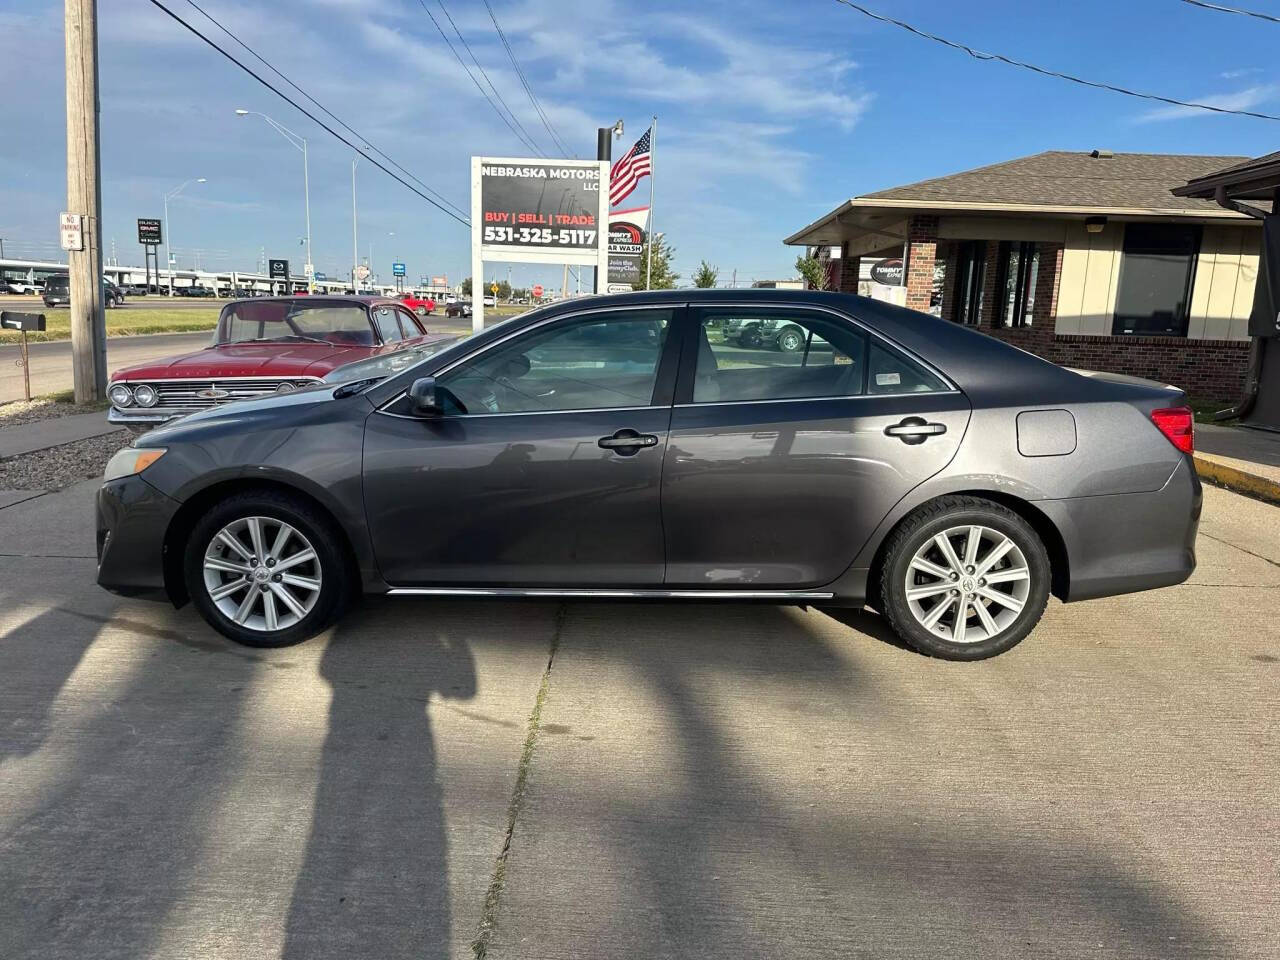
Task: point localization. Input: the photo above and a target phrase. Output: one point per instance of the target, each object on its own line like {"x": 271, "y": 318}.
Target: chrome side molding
{"x": 608, "y": 593}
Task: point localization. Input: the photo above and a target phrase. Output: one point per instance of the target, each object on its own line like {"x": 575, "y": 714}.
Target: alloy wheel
{"x": 262, "y": 573}
{"x": 967, "y": 584}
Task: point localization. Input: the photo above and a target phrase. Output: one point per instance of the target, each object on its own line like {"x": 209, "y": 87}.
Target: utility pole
{"x": 84, "y": 197}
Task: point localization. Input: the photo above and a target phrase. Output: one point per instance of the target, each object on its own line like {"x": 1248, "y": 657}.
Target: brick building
{"x": 1086, "y": 259}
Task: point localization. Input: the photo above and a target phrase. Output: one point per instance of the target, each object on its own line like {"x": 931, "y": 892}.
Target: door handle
{"x": 628, "y": 442}
{"x": 915, "y": 430}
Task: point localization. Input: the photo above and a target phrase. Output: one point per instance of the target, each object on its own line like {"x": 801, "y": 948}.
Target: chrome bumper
{"x": 143, "y": 417}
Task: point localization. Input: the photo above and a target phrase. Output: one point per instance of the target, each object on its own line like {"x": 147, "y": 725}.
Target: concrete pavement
{"x": 42, "y": 434}
{"x": 704, "y": 780}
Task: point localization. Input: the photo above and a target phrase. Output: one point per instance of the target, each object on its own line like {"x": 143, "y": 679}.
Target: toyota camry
{"x": 639, "y": 447}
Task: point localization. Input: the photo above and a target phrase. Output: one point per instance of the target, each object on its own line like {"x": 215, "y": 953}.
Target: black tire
{"x": 319, "y": 529}
{"x": 791, "y": 340}
{"x": 923, "y": 525}
{"x": 422, "y": 311}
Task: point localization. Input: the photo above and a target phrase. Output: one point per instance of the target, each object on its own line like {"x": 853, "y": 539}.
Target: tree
{"x": 466, "y": 287}
{"x": 663, "y": 278}
{"x": 706, "y": 275}
{"x": 504, "y": 290}
{"x": 814, "y": 272}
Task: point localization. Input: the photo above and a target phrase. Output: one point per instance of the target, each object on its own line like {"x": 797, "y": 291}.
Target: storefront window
{"x": 970, "y": 263}
{"x": 1155, "y": 279}
{"x": 1016, "y": 283}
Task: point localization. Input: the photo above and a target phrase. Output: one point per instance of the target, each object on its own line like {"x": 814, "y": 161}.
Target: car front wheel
{"x": 263, "y": 569}
{"x": 964, "y": 579}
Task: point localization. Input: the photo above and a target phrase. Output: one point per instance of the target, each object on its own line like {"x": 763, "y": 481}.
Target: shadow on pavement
{"x": 374, "y": 881}
{"x": 723, "y": 828}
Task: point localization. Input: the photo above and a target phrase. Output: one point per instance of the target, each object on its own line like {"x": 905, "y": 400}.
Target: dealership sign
{"x": 397, "y": 269}
{"x": 526, "y": 210}
{"x": 888, "y": 272}
{"x": 149, "y": 232}
{"x": 278, "y": 269}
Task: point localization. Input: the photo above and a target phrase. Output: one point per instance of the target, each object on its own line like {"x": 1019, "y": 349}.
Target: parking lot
{"x": 612, "y": 780}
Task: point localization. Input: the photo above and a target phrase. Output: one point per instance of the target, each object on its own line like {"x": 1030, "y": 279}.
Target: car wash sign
{"x": 626, "y": 247}
{"x": 526, "y": 210}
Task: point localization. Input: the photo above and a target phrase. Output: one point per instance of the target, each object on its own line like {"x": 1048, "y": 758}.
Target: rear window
{"x": 57, "y": 285}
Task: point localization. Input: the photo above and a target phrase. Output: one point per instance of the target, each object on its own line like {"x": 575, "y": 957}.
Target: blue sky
{"x": 770, "y": 113}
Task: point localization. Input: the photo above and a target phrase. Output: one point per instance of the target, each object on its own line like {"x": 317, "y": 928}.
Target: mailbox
{"x": 11, "y": 320}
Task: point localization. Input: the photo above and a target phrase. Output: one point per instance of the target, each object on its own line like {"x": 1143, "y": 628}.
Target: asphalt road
{"x": 34, "y": 304}
{"x": 712, "y": 781}
{"x": 51, "y": 362}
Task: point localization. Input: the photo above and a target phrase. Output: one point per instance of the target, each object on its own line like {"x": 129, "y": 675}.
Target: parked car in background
{"x": 490, "y": 301}
{"x": 57, "y": 292}
{"x": 458, "y": 308}
{"x": 21, "y": 285}
{"x": 613, "y": 447}
{"x": 263, "y": 346}
{"x": 772, "y": 333}
{"x": 195, "y": 290}
{"x": 134, "y": 289}
{"x": 419, "y": 305}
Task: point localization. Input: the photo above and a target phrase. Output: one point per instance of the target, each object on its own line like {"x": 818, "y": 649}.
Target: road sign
{"x": 278, "y": 269}
{"x": 71, "y": 231}
{"x": 150, "y": 232}
{"x": 397, "y": 269}
{"x": 322, "y": 276}
{"x": 537, "y": 290}
{"x": 493, "y": 288}
{"x": 362, "y": 272}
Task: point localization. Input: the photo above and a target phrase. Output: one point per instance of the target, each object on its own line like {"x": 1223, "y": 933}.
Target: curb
{"x": 1222, "y": 474}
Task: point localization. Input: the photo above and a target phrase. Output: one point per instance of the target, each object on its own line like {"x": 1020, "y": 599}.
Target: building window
{"x": 971, "y": 268}
{"x": 1156, "y": 273}
{"x": 1017, "y": 264}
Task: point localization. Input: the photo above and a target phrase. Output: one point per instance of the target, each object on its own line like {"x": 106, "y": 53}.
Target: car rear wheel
{"x": 263, "y": 569}
{"x": 421, "y": 311}
{"x": 964, "y": 579}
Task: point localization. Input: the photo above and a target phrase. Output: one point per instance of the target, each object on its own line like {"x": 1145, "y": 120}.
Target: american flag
{"x": 626, "y": 173}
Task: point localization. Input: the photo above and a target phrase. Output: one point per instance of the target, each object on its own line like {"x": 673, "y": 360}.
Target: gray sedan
{"x": 625, "y": 447}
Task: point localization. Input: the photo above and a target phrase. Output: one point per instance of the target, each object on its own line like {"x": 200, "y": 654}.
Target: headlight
{"x": 131, "y": 460}
{"x": 144, "y": 395}
{"x": 121, "y": 395}
{"x": 286, "y": 387}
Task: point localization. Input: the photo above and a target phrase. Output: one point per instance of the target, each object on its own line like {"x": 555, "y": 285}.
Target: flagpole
{"x": 653, "y": 163}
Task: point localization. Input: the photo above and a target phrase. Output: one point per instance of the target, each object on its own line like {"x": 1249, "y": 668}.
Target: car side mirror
{"x": 423, "y": 399}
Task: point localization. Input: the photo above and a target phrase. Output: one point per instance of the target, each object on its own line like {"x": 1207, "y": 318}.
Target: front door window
{"x": 600, "y": 361}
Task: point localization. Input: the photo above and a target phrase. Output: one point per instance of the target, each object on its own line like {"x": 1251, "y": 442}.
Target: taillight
{"x": 1177, "y": 424}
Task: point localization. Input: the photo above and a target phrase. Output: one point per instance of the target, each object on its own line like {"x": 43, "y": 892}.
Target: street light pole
{"x": 167, "y": 197}
{"x": 301, "y": 144}
{"x": 355, "y": 242}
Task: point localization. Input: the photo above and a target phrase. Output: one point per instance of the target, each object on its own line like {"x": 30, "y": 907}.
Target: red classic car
{"x": 419, "y": 305}
{"x": 262, "y": 346}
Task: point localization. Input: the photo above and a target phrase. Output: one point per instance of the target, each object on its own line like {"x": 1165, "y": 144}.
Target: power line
{"x": 980, "y": 55}
{"x": 307, "y": 113}
{"x": 337, "y": 119}
{"x": 523, "y": 138}
{"x": 1224, "y": 9}
{"x": 445, "y": 11}
{"x": 524, "y": 81}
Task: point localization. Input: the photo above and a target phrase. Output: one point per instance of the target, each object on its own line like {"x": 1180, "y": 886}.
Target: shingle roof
{"x": 1060, "y": 178}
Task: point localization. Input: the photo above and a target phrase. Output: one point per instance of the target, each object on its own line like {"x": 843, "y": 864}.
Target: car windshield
{"x": 384, "y": 365}
{"x": 346, "y": 324}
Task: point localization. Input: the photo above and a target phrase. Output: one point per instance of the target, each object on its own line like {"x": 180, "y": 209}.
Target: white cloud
{"x": 1246, "y": 99}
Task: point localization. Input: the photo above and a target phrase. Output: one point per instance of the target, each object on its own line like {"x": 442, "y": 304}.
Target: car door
{"x": 544, "y": 468}
{"x": 794, "y": 432}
